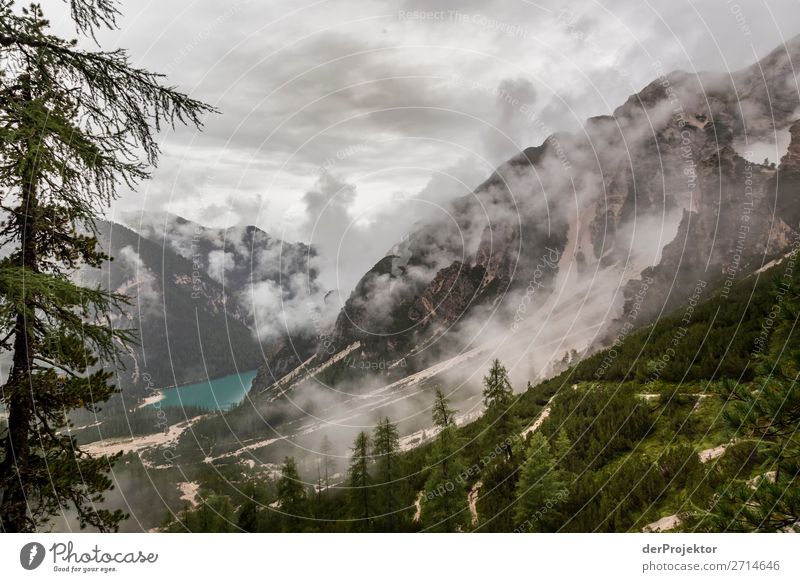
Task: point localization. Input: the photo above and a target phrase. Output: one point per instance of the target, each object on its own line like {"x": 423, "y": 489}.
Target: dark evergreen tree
{"x": 768, "y": 414}
{"x": 498, "y": 474}
{"x": 497, "y": 391}
{"x": 247, "y": 517}
{"x": 498, "y": 485}
{"x": 498, "y": 396}
{"x": 292, "y": 496}
{"x": 360, "y": 482}
{"x": 385, "y": 450}
{"x": 443, "y": 416}
{"x": 540, "y": 489}
{"x": 444, "y": 500}
{"x": 74, "y": 124}
{"x": 215, "y": 515}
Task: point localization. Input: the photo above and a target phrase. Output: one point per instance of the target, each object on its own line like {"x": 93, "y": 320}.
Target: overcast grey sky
{"x": 391, "y": 100}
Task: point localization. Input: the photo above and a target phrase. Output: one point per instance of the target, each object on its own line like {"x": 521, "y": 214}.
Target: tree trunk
{"x": 13, "y": 510}
{"x": 19, "y": 389}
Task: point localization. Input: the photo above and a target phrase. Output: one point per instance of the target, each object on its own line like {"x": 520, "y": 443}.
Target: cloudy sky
{"x": 367, "y": 107}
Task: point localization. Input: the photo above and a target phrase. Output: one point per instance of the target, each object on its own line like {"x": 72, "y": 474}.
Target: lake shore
{"x": 157, "y": 397}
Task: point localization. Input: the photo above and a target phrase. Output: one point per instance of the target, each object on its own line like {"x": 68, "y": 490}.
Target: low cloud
{"x": 140, "y": 283}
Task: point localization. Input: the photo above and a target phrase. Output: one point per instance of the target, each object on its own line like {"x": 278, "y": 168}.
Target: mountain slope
{"x": 586, "y": 236}
{"x": 271, "y": 285}
{"x": 188, "y": 327}
{"x": 642, "y": 446}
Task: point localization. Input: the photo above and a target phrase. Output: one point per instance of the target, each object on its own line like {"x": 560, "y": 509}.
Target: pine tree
{"x": 444, "y": 500}
{"x": 292, "y": 496}
{"x": 247, "y": 517}
{"x": 769, "y": 415}
{"x": 495, "y": 503}
{"x": 497, "y": 398}
{"x": 561, "y": 446}
{"x": 215, "y": 515}
{"x": 443, "y": 416}
{"x": 497, "y": 392}
{"x": 74, "y": 124}
{"x": 540, "y": 485}
{"x": 499, "y": 475}
{"x": 360, "y": 481}
{"x": 385, "y": 449}
{"x": 248, "y": 514}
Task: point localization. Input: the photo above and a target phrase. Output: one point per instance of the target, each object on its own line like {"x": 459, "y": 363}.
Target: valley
{"x": 596, "y": 336}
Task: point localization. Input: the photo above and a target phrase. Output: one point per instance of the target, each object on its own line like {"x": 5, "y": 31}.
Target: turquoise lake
{"x": 215, "y": 394}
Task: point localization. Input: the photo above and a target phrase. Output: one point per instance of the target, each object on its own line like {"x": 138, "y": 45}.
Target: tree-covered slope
{"x": 706, "y": 442}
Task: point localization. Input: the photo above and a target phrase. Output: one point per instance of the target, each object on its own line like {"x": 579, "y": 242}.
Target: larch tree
{"x": 292, "y": 496}
{"x": 75, "y": 124}
{"x": 444, "y": 500}
{"x": 498, "y": 396}
{"x": 497, "y": 391}
{"x": 443, "y": 416}
{"x": 360, "y": 481}
{"x": 385, "y": 449}
{"x": 499, "y": 475}
{"x": 248, "y": 513}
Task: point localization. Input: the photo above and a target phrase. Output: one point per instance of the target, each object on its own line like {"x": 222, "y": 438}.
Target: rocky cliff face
{"x": 558, "y": 240}
{"x": 729, "y": 232}
{"x": 241, "y": 260}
